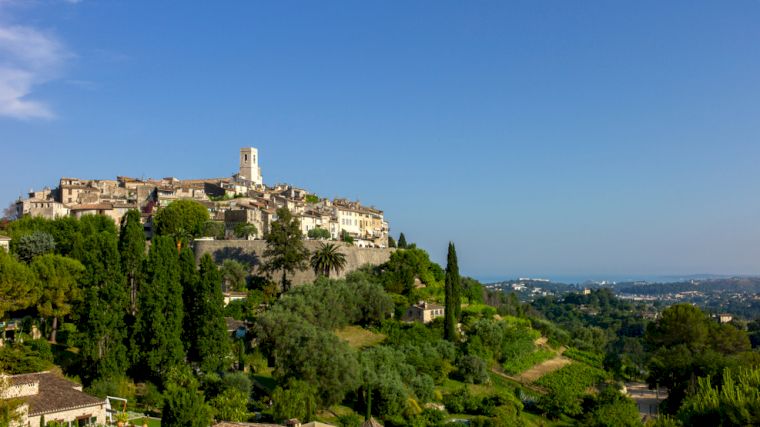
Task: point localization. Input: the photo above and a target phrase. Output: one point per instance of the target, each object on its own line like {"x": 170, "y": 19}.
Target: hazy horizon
{"x": 588, "y": 139}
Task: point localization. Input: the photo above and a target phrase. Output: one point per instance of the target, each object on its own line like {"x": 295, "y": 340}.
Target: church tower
{"x": 249, "y": 165}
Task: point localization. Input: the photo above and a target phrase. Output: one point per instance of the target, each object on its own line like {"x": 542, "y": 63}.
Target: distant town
{"x": 234, "y": 201}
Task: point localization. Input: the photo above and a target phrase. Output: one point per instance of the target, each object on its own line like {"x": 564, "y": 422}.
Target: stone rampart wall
{"x": 250, "y": 252}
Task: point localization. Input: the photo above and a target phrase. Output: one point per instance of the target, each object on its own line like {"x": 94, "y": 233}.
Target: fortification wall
{"x": 249, "y": 252}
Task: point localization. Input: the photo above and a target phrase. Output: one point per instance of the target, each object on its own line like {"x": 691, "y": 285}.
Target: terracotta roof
{"x": 5, "y": 238}
{"x": 92, "y": 206}
{"x": 229, "y": 424}
{"x": 56, "y": 394}
{"x": 424, "y": 305}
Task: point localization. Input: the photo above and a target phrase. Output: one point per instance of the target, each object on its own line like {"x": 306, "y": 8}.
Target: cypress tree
{"x": 102, "y": 328}
{"x": 401, "y": 241}
{"x": 209, "y": 342}
{"x": 452, "y": 295}
{"x": 188, "y": 277}
{"x": 132, "y": 252}
{"x": 452, "y": 268}
{"x": 159, "y": 311}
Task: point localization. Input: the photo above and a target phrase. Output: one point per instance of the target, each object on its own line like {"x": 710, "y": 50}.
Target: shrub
{"x": 472, "y": 369}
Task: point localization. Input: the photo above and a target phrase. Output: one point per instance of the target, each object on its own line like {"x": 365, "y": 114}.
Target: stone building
{"x": 249, "y": 166}
{"x": 424, "y": 312}
{"x": 242, "y": 198}
{"x": 54, "y": 397}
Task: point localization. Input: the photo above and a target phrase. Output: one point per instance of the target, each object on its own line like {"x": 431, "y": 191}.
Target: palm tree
{"x": 327, "y": 258}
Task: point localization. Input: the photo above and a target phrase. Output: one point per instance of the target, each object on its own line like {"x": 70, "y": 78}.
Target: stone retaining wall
{"x": 249, "y": 252}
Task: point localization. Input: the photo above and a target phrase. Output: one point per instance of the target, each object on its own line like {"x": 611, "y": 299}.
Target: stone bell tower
{"x": 249, "y": 165}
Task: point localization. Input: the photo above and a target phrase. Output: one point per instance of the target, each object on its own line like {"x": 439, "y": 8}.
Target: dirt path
{"x": 528, "y": 386}
{"x": 530, "y": 376}
{"x": 538, "y": 371}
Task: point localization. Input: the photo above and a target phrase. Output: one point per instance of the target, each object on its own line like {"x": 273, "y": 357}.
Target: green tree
{"x": 105, "y": 303}
{"x": 327, "y": 258}
{"x": 209, "y": 345}
{"x": 452, "y": 296}
{"x": 685, "y": 344}
{"x": 132, "y": 252}
{"x": 318, "y": 233}
{"x": 244, "y": 230}
{"x": 35, "y": 244}
{"x": 234, "y": 275}
{"x": 188, "y": 278}
{"x": 58, "y": 278}
{"x": 65, "y": 231}
{"x": 298, "y": 399}
{"x": 94, "y": 224}
{"x": 230, "y": 405}
{"x": 184, "y": 403}
{"x": 160, "y": 311}
{"x": 472, "y": 290}
{"x": 402, "y": 241}
{"x": 452, "y": 274}
{"x": 181, "y": 219}
{"x": 214, "y": 229}
{"x": 285, "y": 250}
{"x": 610, "y": 408}
{"x": 391, "y": 242}
{"x": 307, "y": 353}
{"x": 17, "y": 285}
{"x": 735, "y": 402}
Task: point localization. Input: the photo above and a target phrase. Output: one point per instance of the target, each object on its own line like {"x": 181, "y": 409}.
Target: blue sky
{"x": 543, "y": 137}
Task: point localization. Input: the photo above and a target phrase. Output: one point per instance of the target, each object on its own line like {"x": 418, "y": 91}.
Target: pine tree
{"x": 285, "y": 251}
{"x": 160, "y": 311}
{"x": 17, "y": 285}
{"x": 132, "y": 251}
{"x": 452, "y": 294}
{"x": 58, "y": 278}
{"x": 401, "y": 241}
{"x": 391, "y": 242}
{"x": 102, "y": 329}
{"x": 209, "y": 343}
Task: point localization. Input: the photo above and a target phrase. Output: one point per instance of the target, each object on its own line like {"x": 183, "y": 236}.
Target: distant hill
{"x": 731, "y": 284}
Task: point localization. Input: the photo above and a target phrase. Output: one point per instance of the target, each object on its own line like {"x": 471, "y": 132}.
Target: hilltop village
{"x": 238, "y": 200}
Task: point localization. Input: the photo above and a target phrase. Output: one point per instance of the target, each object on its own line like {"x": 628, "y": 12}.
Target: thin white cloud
{"x": 28, "y": 58}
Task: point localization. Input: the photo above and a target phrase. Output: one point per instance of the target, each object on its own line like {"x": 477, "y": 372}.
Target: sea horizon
{"x": 616, "y": 278}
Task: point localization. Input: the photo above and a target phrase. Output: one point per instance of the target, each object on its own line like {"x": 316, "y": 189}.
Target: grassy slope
{"x": 359, "y": 337}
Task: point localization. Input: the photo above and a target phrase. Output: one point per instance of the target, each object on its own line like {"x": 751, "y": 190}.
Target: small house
{"x": 424, "y": 312}
{"x": 5, "y": 243}
{"x": 54, "y": 397}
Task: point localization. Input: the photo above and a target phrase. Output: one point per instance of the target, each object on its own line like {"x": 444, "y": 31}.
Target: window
{"x": 245, "y": 157}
